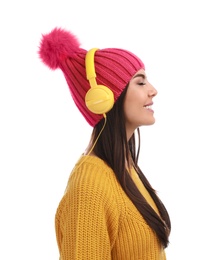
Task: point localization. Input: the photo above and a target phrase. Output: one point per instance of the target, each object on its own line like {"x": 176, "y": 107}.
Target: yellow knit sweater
{"x": 95, "y": 219}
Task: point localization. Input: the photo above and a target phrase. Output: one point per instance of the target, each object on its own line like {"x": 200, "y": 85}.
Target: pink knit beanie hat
{"x": 114, "y": 67}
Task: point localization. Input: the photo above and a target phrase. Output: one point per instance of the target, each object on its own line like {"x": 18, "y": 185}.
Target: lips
{"x": 149, "y": 106}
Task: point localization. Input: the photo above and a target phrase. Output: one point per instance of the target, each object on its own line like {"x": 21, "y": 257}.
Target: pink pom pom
{"x": 57, "y": 46}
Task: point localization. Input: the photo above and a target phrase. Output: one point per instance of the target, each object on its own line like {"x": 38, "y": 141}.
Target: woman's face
{"x": 138, "y": 102}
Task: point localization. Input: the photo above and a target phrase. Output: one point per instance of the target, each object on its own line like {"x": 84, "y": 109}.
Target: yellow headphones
{"x": 99, "y": 99}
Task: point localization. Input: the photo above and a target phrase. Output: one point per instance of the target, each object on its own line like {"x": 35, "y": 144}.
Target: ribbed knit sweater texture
{"x": 96, "y": 220}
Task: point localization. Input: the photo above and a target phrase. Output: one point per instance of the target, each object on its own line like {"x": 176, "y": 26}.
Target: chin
{"x": 150, "y": 122}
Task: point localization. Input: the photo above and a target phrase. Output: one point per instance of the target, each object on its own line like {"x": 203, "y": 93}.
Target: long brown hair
{"x": 113, "y": 147}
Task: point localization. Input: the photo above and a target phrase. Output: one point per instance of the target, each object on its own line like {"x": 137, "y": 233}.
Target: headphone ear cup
{"x": 99, "y": 99}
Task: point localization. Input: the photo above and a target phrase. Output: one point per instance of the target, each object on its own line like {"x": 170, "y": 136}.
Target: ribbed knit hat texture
{"x": 114, "y": 67}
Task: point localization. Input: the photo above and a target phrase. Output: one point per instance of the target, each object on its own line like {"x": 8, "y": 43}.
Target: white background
{"x": 42, "y": 134}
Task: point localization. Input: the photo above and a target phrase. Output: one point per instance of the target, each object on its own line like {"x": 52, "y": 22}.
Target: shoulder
{"x": 93, "y": 184}
{"x": 92, "y": 174}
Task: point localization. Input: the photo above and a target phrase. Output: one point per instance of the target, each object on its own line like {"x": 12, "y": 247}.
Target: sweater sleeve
{"x": 87, "y": 218}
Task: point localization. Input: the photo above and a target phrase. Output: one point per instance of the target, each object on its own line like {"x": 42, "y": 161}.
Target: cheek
{"x": 132, "y": 108}
{"x": 135, "y": 100}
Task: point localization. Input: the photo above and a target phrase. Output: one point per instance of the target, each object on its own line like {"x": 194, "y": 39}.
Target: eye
{"x": 141, "y": 83}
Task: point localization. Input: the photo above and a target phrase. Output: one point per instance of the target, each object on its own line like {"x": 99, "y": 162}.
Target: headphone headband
{"x": 89, "y": 63}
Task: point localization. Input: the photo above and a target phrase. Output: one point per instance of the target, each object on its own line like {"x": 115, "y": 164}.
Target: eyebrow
{"x": 139, "y": 75}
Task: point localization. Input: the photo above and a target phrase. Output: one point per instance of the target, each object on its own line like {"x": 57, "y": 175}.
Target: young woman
{"x": 109, "y": 209}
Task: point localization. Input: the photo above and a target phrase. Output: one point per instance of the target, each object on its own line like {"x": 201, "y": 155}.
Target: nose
{"x": 152, "y": 91}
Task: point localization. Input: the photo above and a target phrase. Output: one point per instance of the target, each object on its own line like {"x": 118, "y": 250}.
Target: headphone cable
{"x": 98, "y": 135}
